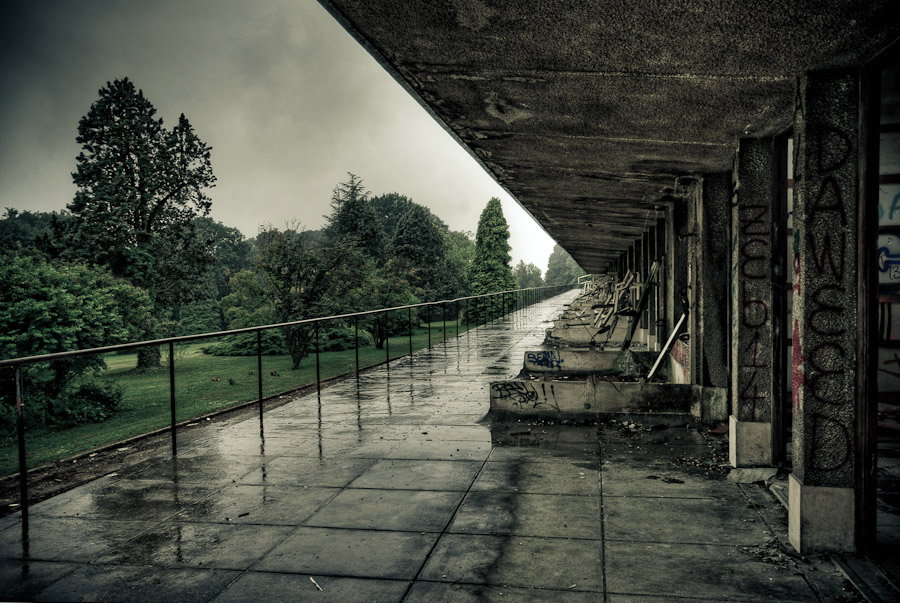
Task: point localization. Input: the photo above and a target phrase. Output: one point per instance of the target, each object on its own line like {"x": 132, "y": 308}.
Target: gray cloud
{"x": 288, "y": 100}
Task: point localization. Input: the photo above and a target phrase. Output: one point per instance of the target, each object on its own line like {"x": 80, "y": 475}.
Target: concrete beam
{"x": 826, "y": 305}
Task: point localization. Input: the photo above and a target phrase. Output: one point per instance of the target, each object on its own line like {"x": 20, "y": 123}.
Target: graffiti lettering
{"x": 826, "y": 383}
{"x": 546, "y": 359}
{"x": 754, "y": 273}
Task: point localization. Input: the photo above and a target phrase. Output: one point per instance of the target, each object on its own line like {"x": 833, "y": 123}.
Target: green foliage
{"x": 527, "y": 275}
{"x": 27, "y": 230}
{"x": 271, "y": 344}
{"x": 299, "y": 280}
{"x": 386, "y": 288}
{"x": 139, "y": 189}
{"x": 561, "y": 268}
{"x": 390, "y": 208}
{"x": 490, "y": 271}
{"x": 353, "y": 220}
{"x": 47, "y": 307}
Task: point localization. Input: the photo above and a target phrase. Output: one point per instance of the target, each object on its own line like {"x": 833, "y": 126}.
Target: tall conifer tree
{"x": 490, "y": 269}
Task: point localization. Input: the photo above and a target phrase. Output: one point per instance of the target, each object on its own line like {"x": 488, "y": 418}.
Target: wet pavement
{"x": 397, "y": 487}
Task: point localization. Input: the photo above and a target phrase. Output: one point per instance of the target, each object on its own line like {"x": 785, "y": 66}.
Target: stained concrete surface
{"x": 398, "y": 488}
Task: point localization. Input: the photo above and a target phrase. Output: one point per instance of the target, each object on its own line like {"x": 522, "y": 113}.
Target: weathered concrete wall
{"x": 588, "y": 398}
{"x": 825, "y": 310}
{"x": 753, "y": 320}
{"x": 574, "y": 361}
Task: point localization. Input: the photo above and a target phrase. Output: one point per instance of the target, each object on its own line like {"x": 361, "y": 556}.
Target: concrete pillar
{"x": 752, "y": 329}
{"x": 713, "y": 220}
{"x": 826, "y": 311}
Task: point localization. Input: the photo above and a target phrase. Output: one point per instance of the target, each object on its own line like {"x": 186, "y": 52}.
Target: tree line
{"x": 136, "y": 256}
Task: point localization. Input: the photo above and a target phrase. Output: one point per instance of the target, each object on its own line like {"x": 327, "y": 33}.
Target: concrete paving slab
{"x": 427, "y": 592}
{"x": 22, "y": 580}
{"x": 463, "y": 432}
{"x": 403, "y": 510}
{"x": 208, "y": 545}
{"x": 440, "y": 449}
{"x": 549, "y": 515}
{"x": 125, "y": 500}
{"x": 665, "y": 482}
{"x": 419, "y": 475}
{"x": 263, "y": 586}
{"x": 138, "y": 584}
{"x": 675, "y": 520}
{"x": 70, "y": 539}
{"x": 203, "y": 469}
{"x": 517, "y": 561}
{"x": 259, "y": 504}
{"x": 552, "y": 476}
{"x": 304, "y": 471}
{"x": 711, "y": 572}
{"x": 355, "y": 553}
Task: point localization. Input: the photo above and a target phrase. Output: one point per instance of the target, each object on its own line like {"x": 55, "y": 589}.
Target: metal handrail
{"x": 11, "y": 362}
{"x": 521, "y": 301}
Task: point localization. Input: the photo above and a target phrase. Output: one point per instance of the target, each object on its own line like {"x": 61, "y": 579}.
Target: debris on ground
{"x": 775, "y": 552}
{"x": 752, "y": 475}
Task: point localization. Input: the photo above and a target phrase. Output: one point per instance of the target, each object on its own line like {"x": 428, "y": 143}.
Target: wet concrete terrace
{"x": 397, "y": 488}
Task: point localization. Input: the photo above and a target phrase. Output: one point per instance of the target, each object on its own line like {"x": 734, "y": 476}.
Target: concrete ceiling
{"x": 588, "y": 111}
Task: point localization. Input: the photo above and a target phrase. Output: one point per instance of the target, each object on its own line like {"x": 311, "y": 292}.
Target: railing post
{"x": 172, "y": 396}
{"x": 444, "y": 328}
{"x": 23, "y": 461}
{"x": 409, "y": 327}
{"x": 318, "y": 367}
{"x": 456, "y": 311}
{"x": 466, "y": 314}
{"x": 356, "y": 342}
{"x": 259, "y": 377}
{"x": 428, "y": 322}
{"x": 387, "y": 341}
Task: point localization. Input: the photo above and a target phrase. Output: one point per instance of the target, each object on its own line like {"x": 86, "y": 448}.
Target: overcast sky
{"x": 288, "y": 100}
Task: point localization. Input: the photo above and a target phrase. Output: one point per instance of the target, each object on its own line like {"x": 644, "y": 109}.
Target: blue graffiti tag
{"x": 886, "y": 259}
{"x": 546, "y": 359}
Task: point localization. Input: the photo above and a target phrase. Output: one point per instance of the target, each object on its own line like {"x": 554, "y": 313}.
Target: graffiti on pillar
{"x": 825, "y": 384}
{"x": 754, "y": 357}
{"x": 550, "y": 359}
{"x": 888, "y": 258}
{"x": 525, "y": 394}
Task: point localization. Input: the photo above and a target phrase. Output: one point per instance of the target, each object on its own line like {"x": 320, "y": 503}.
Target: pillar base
{"x": 821, "y": 519}
{"x": 749, "y": 443}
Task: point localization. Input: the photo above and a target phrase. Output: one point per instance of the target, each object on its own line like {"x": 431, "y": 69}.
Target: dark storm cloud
{"x": 288, "y": 100}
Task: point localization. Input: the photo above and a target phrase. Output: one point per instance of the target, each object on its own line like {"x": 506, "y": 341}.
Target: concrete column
{"x": 692, "y": 249}
{"x": 713, "y": 220}
{"x": 752, "y": 329}
{"x": 826, "y": 313}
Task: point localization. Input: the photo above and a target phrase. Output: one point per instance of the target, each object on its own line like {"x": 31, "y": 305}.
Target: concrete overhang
{"x": 588, "y": 112}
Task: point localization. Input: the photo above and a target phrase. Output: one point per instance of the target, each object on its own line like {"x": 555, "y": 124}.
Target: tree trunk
{"x": 150, "y": 357}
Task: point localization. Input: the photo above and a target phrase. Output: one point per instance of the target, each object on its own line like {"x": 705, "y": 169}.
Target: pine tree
{"x": 490, "y": 271}
{"x": 353, "y": 219}
{"x": 139, "y": 189}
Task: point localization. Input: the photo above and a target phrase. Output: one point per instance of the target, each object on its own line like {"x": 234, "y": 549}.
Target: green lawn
{"x": 203, "y": 385}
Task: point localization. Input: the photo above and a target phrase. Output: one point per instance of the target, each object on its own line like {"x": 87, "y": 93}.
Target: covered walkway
{"x": 398, "y": 487}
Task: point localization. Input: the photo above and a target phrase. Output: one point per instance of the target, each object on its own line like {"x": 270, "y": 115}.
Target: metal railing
{"x": 489, "y": 305}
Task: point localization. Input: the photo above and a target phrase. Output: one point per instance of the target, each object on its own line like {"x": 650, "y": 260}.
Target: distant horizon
{"x": 287, "y": 99}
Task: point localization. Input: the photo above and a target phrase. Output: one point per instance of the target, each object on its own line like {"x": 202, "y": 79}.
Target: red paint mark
{"x": 797, "y": 363}
{"x": 796, "y": 345}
